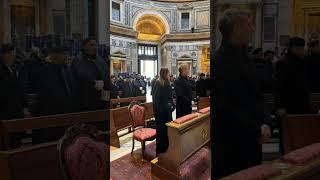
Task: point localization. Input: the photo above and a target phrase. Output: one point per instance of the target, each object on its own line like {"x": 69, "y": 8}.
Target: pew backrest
{"x": 60, "y": 120}
{"x": 203, "y": 102}
{"x": 127, "y": 100}
{"x": 299, "y": 131}
{"x": 36, "y": 162}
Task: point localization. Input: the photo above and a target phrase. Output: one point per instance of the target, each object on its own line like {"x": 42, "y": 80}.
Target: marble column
{"x": 6, "y": 21}
{"x": 258, "y": 33}
{"x": 1, "y": 22}
{"x": 102, "y": 24}
{"x": 199, "y": 70}
{"x": 76, "y": 17}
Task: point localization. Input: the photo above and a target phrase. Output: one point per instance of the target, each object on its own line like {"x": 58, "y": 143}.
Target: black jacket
{"x": 11, "y": 94}
{"x": 57, "y": 90}
{"x": 114, "y": 90}
{"x": 291, "y": 85}
{"x": 201, "y": 88}
{"x": 313, "y": 61}
{"x": 184, "y": 96}
{"x": 238, "y": 112}
{"x": 238, "y": 101}
{"x": 127, "y": 89}
{"x": 86, "y": 72}
{"x": 265, "y": 76}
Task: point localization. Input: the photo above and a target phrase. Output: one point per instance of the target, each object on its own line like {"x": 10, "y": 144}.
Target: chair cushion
{"x": 204, "y": 110}
{"x": 86, "y": 159}
{"x": 255, "y": 173}
{"x": 185, "y": 118}
{"x": 137, "y": 113}
{"x": 144, "y": 134}
{"x": 303, "y": 155}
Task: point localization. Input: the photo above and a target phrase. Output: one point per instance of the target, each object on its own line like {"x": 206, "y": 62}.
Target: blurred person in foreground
{"x": 240, "y": 125}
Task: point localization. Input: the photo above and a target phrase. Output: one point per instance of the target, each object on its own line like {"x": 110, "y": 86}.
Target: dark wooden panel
{"x": 299, "y": 131}
{"x": 36, "y": 162}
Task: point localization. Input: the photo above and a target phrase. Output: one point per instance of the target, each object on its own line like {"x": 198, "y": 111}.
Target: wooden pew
{"x": 315, "y": 102}
{"x": 120, "y": 119}
{"x": 310, "y": 171}
{"x": 60, "y": 120}
{"x": 127, "y": 100}
{"x": 269, "y": 102}
{"x": 184, "y": 141}
{"x": 203, "y": 102}
{"x": 37, "y": 162}
{"x": 299, "y": 131}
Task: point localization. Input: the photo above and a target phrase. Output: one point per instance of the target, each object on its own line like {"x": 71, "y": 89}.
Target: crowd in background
{"x": 133, "y": 85}
{"x": 292, "y": 77}
{"x": 48, "y": 82}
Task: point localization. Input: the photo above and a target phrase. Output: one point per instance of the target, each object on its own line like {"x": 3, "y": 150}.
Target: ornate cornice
{"x": 178, "y": 37}
{"x": 123, "y": 31}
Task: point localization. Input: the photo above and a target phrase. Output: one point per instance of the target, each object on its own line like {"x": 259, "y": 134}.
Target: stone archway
{"x": 150, "y": 27}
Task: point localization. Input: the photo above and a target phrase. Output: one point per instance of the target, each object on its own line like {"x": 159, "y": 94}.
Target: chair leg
{"x": 132, "y": 145}
{"x": 143, "y": 148}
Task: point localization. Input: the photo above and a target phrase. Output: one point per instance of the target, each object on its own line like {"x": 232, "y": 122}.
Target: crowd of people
{"x": 53, "y": 83}
{"x": 133, "y": 85}
{"x": 292, "y": 77}
{"x": 61, "y": 84}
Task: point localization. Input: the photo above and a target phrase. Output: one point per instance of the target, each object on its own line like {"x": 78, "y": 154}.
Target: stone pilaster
{"x": 6, "y": 21}
{"x": 102, "y": 25}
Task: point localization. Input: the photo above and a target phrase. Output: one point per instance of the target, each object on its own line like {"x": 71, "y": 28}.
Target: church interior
{"x": 115, "y": 136}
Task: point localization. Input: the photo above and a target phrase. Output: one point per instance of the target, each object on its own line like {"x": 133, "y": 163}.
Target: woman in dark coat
{"x": 163, "y": 107}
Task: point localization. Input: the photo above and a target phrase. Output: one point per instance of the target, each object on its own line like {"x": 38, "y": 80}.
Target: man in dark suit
{"x": 292, "y": 93}
{"x": 128, "y": 90}
{"x": 313, "y": 61}
{"x": 201, "y": 87}
{"x": 114, "y": 88}
{"x": 57, "y": 85}
{"x": 238, "y": 124}
{"x": 140, "y": 86}
{"x": 56, "y": 94}
{"x": 183, "y": 92}
{"x": 11, "y": 91}
{"x": 91, "y": 75}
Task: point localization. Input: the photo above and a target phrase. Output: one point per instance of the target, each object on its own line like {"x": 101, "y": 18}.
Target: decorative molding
{"x": 185, "y": 7}
{"x": 185, "y": 37}
{"x": 122, "y": 31}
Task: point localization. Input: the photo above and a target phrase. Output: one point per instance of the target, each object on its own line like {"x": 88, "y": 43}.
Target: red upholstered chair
{"x": 137, "y": 113}
{"x": 81, "y": 156}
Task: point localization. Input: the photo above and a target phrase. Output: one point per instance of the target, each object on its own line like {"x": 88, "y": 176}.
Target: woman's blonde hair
{"x": 164, "y": 76}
